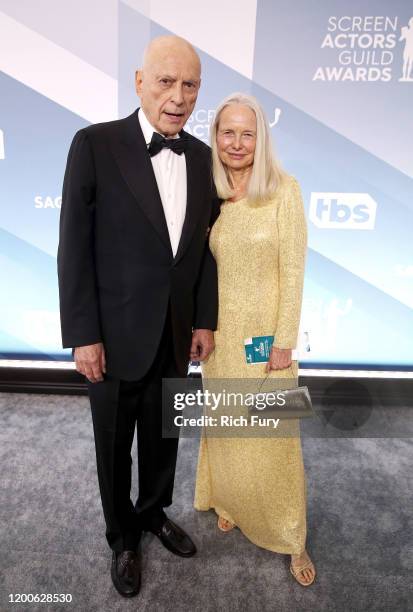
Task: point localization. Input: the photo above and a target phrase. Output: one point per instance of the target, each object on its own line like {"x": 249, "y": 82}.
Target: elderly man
{"x": 138, "y": 290}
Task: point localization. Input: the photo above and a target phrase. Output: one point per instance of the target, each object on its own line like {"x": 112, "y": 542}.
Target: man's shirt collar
{"x": 147, "y": 128}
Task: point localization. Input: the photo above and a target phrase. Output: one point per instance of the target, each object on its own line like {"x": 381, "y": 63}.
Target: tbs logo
{"x": 343, "y": 210}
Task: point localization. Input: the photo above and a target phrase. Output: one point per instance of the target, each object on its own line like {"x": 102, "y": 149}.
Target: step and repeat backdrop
{"x": 336, "y": 81}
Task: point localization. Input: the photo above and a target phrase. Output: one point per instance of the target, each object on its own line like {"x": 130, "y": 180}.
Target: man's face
{"x": 168, "y": 88}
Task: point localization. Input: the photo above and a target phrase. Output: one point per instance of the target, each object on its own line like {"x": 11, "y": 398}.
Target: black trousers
{"x": 118, "y": 407}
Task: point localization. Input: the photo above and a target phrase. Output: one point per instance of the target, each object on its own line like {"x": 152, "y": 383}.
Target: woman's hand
{"x": 279, "y": 359}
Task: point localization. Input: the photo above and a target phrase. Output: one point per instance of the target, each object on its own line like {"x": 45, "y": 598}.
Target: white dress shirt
{"x": 170, "y": 174}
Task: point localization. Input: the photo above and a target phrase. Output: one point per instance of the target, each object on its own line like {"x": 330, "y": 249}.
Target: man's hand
{"x": 90, "y": 361}
{"x": 279, "y": 359}
{"x": 202, "y": 344}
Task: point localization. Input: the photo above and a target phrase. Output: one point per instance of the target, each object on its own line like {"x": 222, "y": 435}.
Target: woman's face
{"x": 236, "y": 136}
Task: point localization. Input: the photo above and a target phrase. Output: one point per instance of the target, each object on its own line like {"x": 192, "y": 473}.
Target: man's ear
{"x": 138, "y": 81}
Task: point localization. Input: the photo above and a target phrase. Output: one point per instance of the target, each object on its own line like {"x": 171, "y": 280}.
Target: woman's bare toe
{"x": 225, "y": 525}
{"x": 302, "y": 568}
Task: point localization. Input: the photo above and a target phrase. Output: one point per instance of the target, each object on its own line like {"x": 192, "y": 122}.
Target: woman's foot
{"x": 302, "y": 568}
{"x": 225, "y": 525}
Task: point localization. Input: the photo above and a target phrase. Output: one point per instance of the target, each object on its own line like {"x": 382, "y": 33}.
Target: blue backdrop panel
{"x": 338, "y": 94}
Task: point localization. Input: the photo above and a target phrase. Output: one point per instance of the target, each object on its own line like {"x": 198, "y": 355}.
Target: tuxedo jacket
{"x": 117, "y": 273}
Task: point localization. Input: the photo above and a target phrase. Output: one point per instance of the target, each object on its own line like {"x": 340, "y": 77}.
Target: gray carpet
{"x": 52, "y": 532}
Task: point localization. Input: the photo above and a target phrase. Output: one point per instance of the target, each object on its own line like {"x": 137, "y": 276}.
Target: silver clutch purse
{"x": 296, "y": 403}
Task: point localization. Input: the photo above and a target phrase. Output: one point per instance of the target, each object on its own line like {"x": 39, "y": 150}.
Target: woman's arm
{"x": 292, "y": 229}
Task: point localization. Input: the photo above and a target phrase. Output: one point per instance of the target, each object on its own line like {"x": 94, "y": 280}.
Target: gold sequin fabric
{"x": 257, "y": 483}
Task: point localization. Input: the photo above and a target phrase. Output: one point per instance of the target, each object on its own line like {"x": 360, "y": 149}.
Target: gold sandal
{"x": 224, "y": 524}
{"x": 296, "y": 571}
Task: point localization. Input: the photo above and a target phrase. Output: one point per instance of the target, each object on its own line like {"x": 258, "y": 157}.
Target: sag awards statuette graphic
{"x": 363, "y": 49}
{"x": 407, "y": 36}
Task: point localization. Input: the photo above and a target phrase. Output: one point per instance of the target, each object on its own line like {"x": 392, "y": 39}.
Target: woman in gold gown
{"x": 259, "y": 241}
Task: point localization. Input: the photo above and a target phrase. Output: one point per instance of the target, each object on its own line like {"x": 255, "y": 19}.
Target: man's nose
{"x": 177, "y": 95}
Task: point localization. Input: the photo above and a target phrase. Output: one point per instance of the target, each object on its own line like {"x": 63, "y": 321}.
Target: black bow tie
{"x": 158, "y": 142}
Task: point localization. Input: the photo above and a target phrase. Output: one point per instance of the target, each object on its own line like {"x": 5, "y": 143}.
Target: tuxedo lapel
{"x": 135, "y": 164}
{"x": 194, "y": 198}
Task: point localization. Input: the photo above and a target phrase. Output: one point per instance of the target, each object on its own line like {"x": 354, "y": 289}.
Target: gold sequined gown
{"x": 257, "y": 483}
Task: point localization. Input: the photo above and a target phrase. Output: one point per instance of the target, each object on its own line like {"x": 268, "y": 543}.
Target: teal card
{"x": 258, "y": 348}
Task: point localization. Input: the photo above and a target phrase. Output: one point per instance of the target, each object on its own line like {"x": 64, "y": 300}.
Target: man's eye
{"x": 165, "y": 81}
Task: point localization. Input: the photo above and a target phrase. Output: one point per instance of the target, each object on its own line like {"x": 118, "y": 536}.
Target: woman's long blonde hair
{"x": 266, "y": 174}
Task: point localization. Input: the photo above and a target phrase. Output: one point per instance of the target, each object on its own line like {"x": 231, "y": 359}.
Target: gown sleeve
{"x": 292, "y": 232}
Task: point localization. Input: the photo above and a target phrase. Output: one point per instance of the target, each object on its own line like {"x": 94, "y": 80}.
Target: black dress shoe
{"x": 175, "y": 539}
{"x": 126, "y": 573}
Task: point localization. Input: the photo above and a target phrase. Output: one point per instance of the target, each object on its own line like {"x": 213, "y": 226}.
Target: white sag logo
{"x": 47, "y": 202}
{"x": 2, "y": 153}
{"x": 324, "y": 319}
{"x": 343, "y": 210}
{"x": 362, "y": 48}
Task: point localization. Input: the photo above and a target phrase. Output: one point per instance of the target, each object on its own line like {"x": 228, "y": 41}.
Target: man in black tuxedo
{"x": 138, "y": 289}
